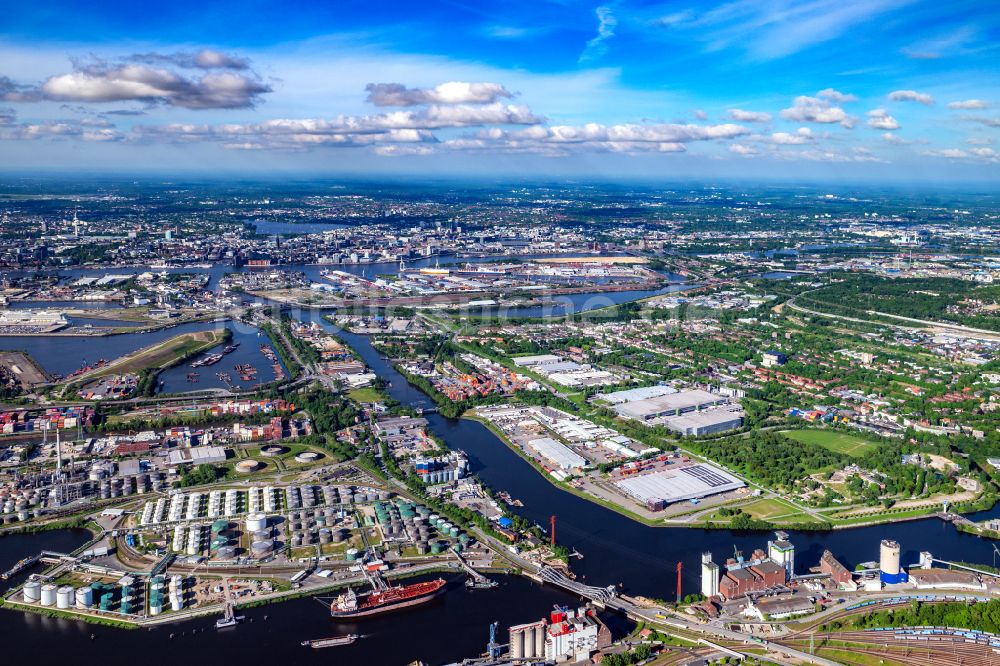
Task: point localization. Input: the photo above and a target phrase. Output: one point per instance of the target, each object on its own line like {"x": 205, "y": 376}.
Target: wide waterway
{"x": 64, "y": 354}
{"x": 618, "y": 549}
{"x": 451, "y": 627}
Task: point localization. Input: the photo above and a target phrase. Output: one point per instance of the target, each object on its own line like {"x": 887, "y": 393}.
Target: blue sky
{"x": 873, "y": 90}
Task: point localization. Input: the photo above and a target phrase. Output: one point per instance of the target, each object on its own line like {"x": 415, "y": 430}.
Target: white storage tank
{"x": 32, "y": 592}
{"x": 84, "y": 597}
{"x": 256, "y": 522}
{"x": 48, "y": 594}
{"x": 65, "y": 597}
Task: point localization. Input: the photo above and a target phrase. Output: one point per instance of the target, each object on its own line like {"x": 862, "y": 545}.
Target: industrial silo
{"x": 516, "y": 643}
{"x": 890, "y": 572}
{"x": 540, "y": 640}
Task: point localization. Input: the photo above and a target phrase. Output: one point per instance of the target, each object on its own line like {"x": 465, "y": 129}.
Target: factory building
{"x": 890, "y": 571}
{"x": 442, "y": 469}
{"x": 839, "y": 574}
{"x": 569, "y": 636}
{"x": 782, "y": 551}
{"x": 743, "y": 576}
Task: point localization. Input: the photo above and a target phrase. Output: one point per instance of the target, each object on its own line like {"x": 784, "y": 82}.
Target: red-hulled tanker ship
{"x": 384, "y": 598}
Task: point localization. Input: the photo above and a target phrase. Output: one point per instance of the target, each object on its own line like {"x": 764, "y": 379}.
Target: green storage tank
{"x": 219, "y": 525}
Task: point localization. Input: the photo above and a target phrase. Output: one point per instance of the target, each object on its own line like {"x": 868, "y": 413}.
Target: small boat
{"x": 480, "y": 584}
{"x": 334, "y": 641}
{"x": 228, "y": 621}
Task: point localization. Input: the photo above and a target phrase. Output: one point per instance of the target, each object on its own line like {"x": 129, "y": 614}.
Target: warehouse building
{"x": 632, "y": 395}
{"x": 706, "y": 422}
{"x": 559, "y": 455}
{"x": 679, "y": 484}
{"x": 201, "y": 455}
{"x": 673, "y": 404}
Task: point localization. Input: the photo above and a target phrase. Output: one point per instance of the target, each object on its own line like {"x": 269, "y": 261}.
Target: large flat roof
{"x": 681, "y": 400}
{"x": 632, "y": 395}
{"x": 679, "y": 484}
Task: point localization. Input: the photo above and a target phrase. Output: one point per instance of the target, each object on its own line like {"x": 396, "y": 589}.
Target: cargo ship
{"x": 336, "y": 641}
{"x": 211, "y": 359}
{"x": 384, "y": 598}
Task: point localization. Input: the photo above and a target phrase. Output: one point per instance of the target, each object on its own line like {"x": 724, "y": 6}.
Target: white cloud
{"x": 138, "y": 82}
{"x": 910, "y": 96}
{"x": 895, "y": 139}
{"x": 453, "y": 92}
{"x": 951, "y": 153}
{"x": 801, "y": 136}
{"x": 969, "y": 104}
{"x": 203, "y": 59}
{"x": 700, "y": 114}
{"x": 989, "y": 122}
{"x": 972, "y": 154}
{"x": 739, "y": 115}
{"x": 606, "y": 24}
{"x": 742, "y": 149}
{"x": 836, "y": 96}
{"x": 880, "y": 119}
{"x": 815, "y": 110}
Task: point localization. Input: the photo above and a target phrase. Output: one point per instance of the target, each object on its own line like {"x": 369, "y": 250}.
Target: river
{"x": 615, "y": 548}
{"x": 64, "y": 354}
{"x": 451, "y": 627}
{"x": 618, "y": 549}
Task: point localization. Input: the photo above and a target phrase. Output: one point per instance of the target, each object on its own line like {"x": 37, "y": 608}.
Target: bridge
{"x": 601, "y": 595}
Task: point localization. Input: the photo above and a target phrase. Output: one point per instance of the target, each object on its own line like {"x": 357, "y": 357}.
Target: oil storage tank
{"x": 48, "y": 594}
{"x": 65, "y": 597}
{"x": 84, "y": 597}
{"x": 32, "y": 592}
{"x": 256, "y": 522}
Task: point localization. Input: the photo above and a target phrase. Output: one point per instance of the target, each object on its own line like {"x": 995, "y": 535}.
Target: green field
{"x": 367, "y": 394}
{"x": 838, "y": 442}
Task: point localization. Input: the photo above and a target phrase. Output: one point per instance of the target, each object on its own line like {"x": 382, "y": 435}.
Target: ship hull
{"x": 387, "y": 607}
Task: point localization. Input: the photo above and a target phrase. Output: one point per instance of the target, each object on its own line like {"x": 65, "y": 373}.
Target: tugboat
{"x": 229, "y": 349}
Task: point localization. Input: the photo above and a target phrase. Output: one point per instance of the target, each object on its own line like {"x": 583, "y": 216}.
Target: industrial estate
{"x": 681, "y": 425}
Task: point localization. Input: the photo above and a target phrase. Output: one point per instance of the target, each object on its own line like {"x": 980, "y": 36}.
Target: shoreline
{"x": 704, "y": 526}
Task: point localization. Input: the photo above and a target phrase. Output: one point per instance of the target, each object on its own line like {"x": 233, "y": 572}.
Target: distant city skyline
{"x": 879, "y": 91}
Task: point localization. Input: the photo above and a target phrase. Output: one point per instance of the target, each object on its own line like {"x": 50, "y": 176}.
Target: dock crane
{"x": 493, "y": 648}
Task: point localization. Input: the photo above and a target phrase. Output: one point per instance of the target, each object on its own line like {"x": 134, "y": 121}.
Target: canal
{"x": 620, "y": 550}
